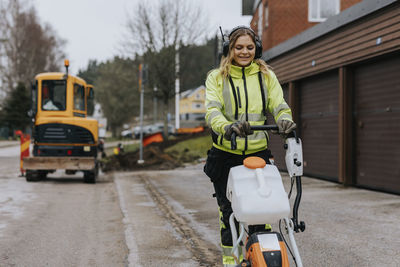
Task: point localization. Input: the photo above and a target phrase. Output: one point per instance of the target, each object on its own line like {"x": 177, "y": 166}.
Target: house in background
{"x": 191, "y": 106}
{"x": 275, "y": 21}
{"x": 341, "y": 79}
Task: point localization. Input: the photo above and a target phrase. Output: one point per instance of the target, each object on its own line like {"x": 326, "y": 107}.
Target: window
{"x": 90, "y": 101}
{"x": 197, "y": 105}
{"x": 79, "y": 97}
{"x": 320, "y": 10}
{"x": 53, "y": 95}
{"x": 260, "y": 19}
{"x": 34, "y": 97}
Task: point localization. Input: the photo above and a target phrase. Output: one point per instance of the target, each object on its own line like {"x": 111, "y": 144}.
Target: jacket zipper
{"x": 247, "y": 103}
{"x": 238, "y": 94}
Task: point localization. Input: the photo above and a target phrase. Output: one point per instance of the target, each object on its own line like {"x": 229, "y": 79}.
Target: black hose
{"x": 296, "y": 205}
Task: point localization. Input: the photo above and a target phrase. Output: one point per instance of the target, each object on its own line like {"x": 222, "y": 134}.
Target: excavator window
{"x": 53, "y": 95}
{"x": 79, "y": 97}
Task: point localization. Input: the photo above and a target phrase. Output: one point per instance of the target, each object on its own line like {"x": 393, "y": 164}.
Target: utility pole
{"x": 141, "y": 161}
{"x": 177, "y": 126}
{"x": 218, "y": 48}
{"x": 155, "y": 105}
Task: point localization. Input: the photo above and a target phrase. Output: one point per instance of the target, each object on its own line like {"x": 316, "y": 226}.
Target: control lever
{"x": 233, "y": 141}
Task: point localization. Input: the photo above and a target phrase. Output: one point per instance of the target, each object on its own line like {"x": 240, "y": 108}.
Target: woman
{"x": 238, "y": 95}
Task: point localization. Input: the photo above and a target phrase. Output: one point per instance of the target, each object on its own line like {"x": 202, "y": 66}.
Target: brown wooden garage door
{"x": 319, "y": 125}
{"x": 275, "y": 141}
{"x": 377, "y": 124}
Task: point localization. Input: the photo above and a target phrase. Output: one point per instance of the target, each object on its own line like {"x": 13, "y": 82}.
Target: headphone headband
{"x": 242, "y": 27}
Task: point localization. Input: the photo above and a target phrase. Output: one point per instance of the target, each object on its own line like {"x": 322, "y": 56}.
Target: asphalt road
{"x": 60, "y": 222}
{"x": 344, "y": 226}
{"x": 168, "y": 218}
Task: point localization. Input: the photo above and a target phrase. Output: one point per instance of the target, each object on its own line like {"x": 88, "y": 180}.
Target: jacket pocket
{"x": 214, "y": 165}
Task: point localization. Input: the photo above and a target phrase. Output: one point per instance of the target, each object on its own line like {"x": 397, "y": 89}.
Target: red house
{"x": 341, "y": 78}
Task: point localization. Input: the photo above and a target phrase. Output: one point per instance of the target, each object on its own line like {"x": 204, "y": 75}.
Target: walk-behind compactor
{"x": 63, "y": 136}
{"x": 258, "y": 197}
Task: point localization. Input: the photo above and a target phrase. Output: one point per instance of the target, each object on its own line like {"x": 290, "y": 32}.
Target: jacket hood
{"x": 236, "y": 71}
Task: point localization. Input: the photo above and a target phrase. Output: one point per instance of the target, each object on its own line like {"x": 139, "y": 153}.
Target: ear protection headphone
{"x": 225, "y": 44}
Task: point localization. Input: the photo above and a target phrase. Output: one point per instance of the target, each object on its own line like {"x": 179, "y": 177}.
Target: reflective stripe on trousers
{"x": 227, "y": 259}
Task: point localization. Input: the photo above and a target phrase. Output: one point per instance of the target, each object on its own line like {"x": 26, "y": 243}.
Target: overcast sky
{"x": 94, "y": 28}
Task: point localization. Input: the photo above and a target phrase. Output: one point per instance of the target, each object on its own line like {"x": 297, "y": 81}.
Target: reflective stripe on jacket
{"x": 222, "y": 102}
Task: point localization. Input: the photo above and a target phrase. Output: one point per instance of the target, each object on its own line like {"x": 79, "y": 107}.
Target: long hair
{"x": 226, "y": 62}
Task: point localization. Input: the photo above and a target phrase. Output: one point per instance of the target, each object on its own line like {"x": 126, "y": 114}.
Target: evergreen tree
{"x": 91, "y": 73}
{"x": 196, "y": 62}
{"x": 116, "y": 90}
{"x": 15, "y": 109}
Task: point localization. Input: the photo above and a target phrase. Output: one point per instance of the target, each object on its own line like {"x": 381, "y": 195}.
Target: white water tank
{"x": 257, "y": 200}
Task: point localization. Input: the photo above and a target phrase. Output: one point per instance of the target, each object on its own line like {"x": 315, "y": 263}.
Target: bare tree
{"x": 156, "y": 31}
{"x": 26, "y": 47}
{"x": 152, "y": 27}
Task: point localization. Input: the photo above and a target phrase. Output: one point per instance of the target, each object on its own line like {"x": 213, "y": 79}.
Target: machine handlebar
{"x": 264, "y": 127}
{"x": 254, "y": 128}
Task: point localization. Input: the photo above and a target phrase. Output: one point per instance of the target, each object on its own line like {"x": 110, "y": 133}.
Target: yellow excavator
{"x": 63, "y": 136}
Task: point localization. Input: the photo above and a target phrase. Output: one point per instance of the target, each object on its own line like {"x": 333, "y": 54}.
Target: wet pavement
{"x": 169, "y": 218}
{"x": 344, "y": 226}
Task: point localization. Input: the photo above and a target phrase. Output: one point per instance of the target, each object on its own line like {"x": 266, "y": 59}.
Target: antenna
{"x": 223, "y": 38}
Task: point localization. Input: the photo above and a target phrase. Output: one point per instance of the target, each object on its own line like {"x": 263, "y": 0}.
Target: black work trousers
{"x": 217, "y": 169}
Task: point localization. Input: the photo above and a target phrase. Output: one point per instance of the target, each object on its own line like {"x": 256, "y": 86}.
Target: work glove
{"x": 241, "y": 128}
{"x": 285, "y": 127}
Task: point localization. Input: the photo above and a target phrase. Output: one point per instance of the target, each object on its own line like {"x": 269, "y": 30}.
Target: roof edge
{"x": 345, "y": 17}
{"x": 187, "y": 93}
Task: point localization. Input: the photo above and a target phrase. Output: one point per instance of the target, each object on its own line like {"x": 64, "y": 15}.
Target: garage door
{"x": 377, "y": 124}
{"x": 319, "y": 125}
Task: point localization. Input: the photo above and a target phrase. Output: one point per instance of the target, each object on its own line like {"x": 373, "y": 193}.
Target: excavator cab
{"x": 64, "y": 138}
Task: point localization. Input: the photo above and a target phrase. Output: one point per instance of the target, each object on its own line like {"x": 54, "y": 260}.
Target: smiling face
{"x": 244, "y": 51}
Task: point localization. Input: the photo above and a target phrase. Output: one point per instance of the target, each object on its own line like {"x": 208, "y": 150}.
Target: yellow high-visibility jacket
{"x": 226, "y": 105}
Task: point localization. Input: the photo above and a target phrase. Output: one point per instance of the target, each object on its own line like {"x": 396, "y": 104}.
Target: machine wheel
{"x": 42, "y": 175}
{"x": 90, "y": 177}
{"x": 32, "y": 176}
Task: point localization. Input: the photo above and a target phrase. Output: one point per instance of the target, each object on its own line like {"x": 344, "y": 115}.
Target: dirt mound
{"x": 153, "y": 155}
{"x": 129, "y": 161}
